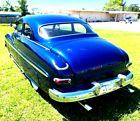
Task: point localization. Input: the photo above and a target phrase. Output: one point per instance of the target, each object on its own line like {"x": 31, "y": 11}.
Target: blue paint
{"x": 88, "y": 56}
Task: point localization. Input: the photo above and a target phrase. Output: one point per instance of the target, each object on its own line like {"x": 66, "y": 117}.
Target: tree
{"x": 114, "y": 5}
{"x": 23, "y": 7}
{"x": 123, "y": 3}
{"x": 10, "y": 7}
{"x": 133, "y": 7}
{"x": 7, "y": 6}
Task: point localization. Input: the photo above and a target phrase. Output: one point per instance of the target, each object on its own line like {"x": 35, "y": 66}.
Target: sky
{"x": 68, "y": 4}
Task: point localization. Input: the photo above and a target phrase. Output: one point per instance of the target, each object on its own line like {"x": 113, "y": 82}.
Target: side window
{"x": 27, "y": 31}
{"x": 66, "y": 27}
{"x": 19, "y": 28}
{"x": 79, "y": 28}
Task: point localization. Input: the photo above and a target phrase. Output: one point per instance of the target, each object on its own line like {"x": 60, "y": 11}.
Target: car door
{"x": 21, "y": 41}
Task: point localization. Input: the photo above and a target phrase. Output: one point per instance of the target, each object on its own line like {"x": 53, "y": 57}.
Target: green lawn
{"x": 18, "y": 101}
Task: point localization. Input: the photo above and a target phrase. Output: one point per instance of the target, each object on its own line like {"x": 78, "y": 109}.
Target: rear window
{"x": 64, "y": 29}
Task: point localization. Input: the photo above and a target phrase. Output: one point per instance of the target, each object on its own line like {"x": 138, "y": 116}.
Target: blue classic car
{"x": 65, "y": 58}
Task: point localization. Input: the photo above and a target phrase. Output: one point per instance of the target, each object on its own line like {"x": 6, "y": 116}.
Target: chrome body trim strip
{"x": 38, "y": 69}
{"x": 98, "y": 88}
{"x": 39, "y": 45}
{"x": 60, "y": 69}
{"x": 128, "y": 64}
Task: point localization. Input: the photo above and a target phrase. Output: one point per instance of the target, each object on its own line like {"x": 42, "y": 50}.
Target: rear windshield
{"x": 64, "y": 29}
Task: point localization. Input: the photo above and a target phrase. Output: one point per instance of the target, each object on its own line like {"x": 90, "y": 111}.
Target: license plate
{"x": 107, "y": 88}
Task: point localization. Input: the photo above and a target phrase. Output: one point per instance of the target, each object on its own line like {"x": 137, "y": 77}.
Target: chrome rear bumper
{"x": 97, "y": 89}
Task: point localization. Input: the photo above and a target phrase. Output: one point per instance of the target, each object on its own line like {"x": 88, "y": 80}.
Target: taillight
{"x": 59, "y": 81}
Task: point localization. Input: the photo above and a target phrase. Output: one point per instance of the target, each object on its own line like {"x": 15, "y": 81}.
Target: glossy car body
{"x": 66, "y": 59}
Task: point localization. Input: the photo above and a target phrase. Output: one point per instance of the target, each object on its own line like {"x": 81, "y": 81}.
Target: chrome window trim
{"x": 62, "y": 35}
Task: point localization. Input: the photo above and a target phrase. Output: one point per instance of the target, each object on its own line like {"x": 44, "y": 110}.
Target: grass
{"x": 18, "y": 101}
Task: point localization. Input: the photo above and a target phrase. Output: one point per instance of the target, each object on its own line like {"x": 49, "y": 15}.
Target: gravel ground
{"x": 134, "y": 27}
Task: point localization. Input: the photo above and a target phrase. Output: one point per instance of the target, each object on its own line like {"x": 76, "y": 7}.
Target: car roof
{"x": 34, "y": 20}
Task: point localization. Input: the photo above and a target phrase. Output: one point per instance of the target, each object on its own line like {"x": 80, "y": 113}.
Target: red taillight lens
{"x": 61, "y": 81}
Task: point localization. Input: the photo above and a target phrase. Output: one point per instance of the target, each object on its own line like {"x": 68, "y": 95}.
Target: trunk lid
{"x": 91, "y": 58}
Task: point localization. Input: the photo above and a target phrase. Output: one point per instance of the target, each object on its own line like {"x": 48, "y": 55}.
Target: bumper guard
{"x": 99, "y": 88}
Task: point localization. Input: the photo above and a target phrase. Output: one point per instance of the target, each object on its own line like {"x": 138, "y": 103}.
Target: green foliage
{"x": 23, "y": 7}
{"x": 19, "y": 102}
{"x": 11, "y": 7}
{"x": 134, "y": 8}
{"x": 117, "y": 5}
{"x": 7, "y": 6}
{"x": 113, "y": 5}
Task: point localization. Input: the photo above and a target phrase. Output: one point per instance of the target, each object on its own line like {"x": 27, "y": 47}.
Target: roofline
{"x": 103, "y": 11}
{"x": 74, "y": 10}
{"x": 10, "y": 13}
{"x": 115, "y": 12}
{"x": 87, "y": 11}
{"x": 98, "y": 11}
